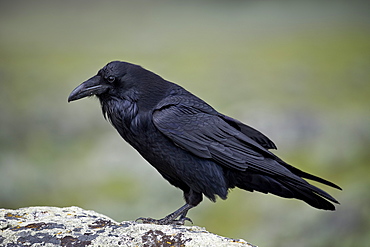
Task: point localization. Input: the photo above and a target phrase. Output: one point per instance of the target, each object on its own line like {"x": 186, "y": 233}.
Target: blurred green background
{"x": 299, "y": 71}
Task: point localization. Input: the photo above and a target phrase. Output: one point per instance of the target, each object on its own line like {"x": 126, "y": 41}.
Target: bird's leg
{"x": 171, "y": 218}
{"x": 183, "y": 218}
{"x": 192, "y": 199}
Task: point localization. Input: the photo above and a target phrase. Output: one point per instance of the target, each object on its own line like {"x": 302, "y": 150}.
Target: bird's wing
{"x": 257, "y": 136}
{"x": 197, "y": 128}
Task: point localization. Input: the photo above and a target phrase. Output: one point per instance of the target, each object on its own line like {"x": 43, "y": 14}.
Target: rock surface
{"x": 73, "y": 226}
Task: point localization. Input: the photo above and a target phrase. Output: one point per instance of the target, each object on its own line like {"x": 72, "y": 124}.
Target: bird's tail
{"x": 312, "y": 195}
{"x": 303, "y": 174}
{"x": 287, "y": 187}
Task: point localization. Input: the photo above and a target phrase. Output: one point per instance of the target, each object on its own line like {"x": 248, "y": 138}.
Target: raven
{"x": 194, "y": 147}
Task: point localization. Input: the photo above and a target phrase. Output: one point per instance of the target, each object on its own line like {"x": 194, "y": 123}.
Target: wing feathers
{"x": 208, "y": 134}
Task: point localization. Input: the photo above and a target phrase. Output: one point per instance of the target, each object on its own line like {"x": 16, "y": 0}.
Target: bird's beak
{"x": 90, "y": 87}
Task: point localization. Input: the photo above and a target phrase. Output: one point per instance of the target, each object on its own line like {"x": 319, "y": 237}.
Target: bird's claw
{"x": 164, "y": 221}
{"x": 151, "y": 221}
{"x": 182, "y": 221}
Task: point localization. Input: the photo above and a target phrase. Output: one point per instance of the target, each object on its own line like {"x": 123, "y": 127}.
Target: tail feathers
{"x": 303, "y": 174}
{"x": 313, "y": 196}
{"x": 321, "y": 193}
{"x": 286, "y": 188}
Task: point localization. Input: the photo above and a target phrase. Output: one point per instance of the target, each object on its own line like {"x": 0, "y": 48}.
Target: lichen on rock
{"x": 73, "y": 226}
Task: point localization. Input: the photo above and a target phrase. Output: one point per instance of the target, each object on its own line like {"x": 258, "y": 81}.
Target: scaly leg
{"x": 192, "y": 199}
{"x": 171, "y": 218}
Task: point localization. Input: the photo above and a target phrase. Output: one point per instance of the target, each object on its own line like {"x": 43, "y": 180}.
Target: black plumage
{"x": 194, "y": 147}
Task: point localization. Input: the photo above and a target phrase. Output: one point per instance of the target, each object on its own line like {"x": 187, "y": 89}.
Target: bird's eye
{"x": 111, "y": 79}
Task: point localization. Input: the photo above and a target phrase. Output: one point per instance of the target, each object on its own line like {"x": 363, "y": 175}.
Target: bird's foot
{"x": 164, "y": 221}
{"x": 170, "y": 219}
{"x": 182, "y": 221}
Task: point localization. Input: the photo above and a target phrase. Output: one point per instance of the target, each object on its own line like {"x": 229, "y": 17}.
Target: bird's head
{"x": 124, "y": 81}
{"x": 110, "y": 80}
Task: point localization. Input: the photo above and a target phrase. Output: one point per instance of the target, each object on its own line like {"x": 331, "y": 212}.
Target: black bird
{"x": 194, "y": 147}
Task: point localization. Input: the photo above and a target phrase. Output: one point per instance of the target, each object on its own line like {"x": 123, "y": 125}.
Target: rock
{"x": 73, "y": 226}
